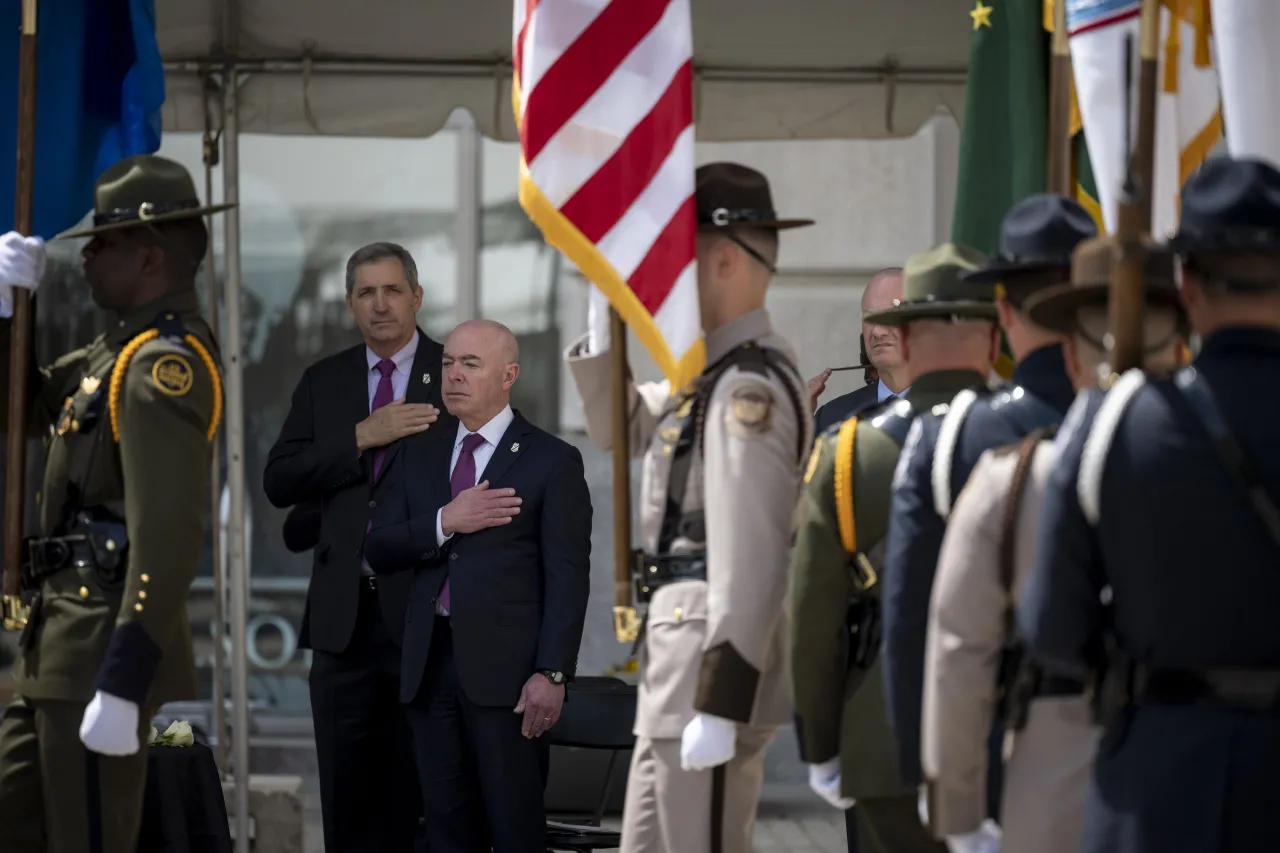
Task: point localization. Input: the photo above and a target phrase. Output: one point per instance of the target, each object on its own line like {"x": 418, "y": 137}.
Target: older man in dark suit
{"x": 495, "y": 530}
{"x": 350, "y": 415}
{"x": 884, "y": 351}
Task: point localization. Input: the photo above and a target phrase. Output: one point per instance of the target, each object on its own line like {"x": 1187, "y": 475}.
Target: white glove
{"x": 708, "y": 742}
{"x": 824, "y": 779}
{"x": 985, "y": 840}
{"x": 597, "y": 321}
{"x": 22, "y": 264}
{"x": 110, "y": 725}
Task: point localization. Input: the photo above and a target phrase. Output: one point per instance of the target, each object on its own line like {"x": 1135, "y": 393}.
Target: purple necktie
{"x": 462, "y": 478}
{"x": 384, "y": 395}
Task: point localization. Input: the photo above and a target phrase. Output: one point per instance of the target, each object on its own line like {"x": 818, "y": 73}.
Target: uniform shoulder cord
{"x": 122, "y": 369}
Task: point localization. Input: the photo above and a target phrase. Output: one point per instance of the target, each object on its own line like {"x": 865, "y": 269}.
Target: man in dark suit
{"x": 884, "y": 350}
{"x": 346, "y": 426}
{"x": 302, "y": 527}
{"x": 495, "y": 530}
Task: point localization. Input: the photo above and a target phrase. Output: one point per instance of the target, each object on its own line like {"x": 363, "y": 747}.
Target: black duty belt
{"x": 1058, "y": 685}
{"x": 655, "y": 571}
{"x": 48, "y": 556}
{"x": 94, "y": 542}
{"x": 1244, "y": 689}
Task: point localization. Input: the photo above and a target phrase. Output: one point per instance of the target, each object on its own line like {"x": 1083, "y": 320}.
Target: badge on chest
{"x": 83, "y": 409}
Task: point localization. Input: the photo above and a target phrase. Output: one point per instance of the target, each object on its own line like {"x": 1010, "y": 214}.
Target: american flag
{"x": 603, "y": 98}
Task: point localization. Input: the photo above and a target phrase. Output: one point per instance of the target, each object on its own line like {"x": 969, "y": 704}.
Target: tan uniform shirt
{"x": 1047, "y": 774}
{"x": 716, "y": 646}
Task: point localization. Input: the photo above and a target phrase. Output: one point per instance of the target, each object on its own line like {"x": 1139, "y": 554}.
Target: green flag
{"x": 1003, "y": 140}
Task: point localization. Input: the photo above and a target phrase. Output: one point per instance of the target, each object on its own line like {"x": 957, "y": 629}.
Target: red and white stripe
{"x": 603, "y": 97}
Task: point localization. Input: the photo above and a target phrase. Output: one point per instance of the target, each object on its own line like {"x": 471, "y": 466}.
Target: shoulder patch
{"x": 750, "y": 410}
{"x": 172, "y": 374}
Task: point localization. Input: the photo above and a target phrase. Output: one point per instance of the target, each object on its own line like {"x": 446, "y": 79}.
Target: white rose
{"x": 179, "y": 733}
{"x": 151, "y": 738}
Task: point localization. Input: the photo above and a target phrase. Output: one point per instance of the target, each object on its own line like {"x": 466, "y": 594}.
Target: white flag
{"x": 1246, "y": 35}
{"x": 1188, "y": 115}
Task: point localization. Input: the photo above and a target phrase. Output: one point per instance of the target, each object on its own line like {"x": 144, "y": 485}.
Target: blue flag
{"x": 100, "y": 87}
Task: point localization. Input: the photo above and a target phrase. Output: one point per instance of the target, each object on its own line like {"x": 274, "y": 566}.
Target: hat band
{"x": 1011, "y": 259}
{"x": 723, "y": 216}
{"x": 146, "y": 210}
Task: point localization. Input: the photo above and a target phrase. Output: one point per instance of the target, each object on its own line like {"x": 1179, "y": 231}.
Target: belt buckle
{"x": 46, "y": 556}
{"x": 372, "y": 582}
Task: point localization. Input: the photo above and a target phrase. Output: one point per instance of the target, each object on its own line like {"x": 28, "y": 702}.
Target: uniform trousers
{"x": 58, "y": 797}
{"x": 892, "y": 825}
{"x": 671, "y": 810}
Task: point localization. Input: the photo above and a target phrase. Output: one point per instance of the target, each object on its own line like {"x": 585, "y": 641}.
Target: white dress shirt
{"x": 491, "y": 433}
{"x": 399, "y": 377}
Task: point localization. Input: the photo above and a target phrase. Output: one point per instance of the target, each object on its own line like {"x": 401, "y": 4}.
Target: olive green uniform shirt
{"x": 840, "y": 709}
{"x": 135, "y": 442}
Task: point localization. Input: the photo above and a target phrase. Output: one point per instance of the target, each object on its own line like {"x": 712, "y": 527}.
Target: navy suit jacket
{"x": 844, "y": 407}
{"x": 518, "y": 592}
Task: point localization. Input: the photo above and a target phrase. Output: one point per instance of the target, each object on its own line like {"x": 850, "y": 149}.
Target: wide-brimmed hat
{"x": 143, "y": 190}
{"x": 931, "y": 287}
{"x": 730, "y": 195}
{"x": 1229, "y": 225}
{"x": 1055, "y": 308}
{"x": 1037, "y": 237}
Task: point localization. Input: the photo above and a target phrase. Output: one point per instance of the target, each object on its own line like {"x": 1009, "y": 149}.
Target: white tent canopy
{"x": 765, "y": 69}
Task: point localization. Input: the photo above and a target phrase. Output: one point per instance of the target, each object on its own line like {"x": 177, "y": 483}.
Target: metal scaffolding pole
{"x": 468, "y": 235}
{"x": 232, "y": 363}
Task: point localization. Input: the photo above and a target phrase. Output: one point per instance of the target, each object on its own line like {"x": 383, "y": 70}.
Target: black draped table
{"x": 184, "y": 810}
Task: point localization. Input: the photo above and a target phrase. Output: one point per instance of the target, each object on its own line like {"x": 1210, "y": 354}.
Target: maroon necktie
{"x": 384, "y": 394}
{"x": 462, "y": 478}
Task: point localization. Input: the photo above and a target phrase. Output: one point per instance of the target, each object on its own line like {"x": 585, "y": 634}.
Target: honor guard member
{"x": 1037, "y": 238}
{"x": 722, "y": 466}
{"x": 949, "y": 341}
{"x": 1159, "y": 545}
{"x": 129, "y": 422}
{"x": 976, "y": 674}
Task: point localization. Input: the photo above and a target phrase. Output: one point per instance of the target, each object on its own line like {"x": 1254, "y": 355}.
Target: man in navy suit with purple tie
{"x": 496, "y": 530}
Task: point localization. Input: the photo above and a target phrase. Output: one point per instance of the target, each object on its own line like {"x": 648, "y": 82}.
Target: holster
{"x": 863, "y": 621}
{"x": 1112, "y": 691}
{"x": 95, "y": 540}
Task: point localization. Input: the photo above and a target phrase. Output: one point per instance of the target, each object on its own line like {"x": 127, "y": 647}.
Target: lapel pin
{"x": 515, "y": 448}
{"x": 426, "y": 379}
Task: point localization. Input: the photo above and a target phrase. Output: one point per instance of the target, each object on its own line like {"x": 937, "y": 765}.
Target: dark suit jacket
{"x": 302, "y": 527}
{"x": 518, "y": 592}
{"x": 844, "y": 407}
{"x": 315, "y": 460}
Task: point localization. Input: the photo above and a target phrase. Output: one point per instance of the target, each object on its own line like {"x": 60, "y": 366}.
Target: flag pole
{"x": 1060, "y": 149}
{"x": 625, "y": 624}
{"x": 20, "y": 340}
